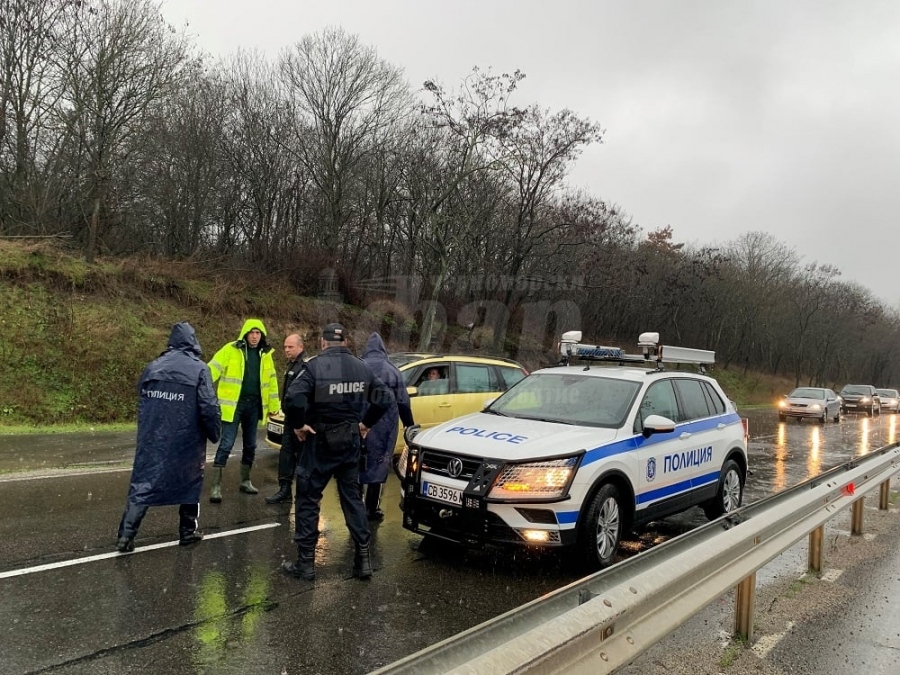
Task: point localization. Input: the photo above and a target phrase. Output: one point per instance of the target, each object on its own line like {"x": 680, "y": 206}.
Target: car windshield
{"x": 807, "y": 392}
{"x": 890, "y": 393}
{"x": 569, "y": 399}
{"x": 855, "y": 389}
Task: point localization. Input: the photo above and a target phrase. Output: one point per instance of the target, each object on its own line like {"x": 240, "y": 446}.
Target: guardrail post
{"x": 814, "y": 556}
{"x": 856, "y": 516}
{"x": 884, "y": 495}
{"x": 744, "y": 606}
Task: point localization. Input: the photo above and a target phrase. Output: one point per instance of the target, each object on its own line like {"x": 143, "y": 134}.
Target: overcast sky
{"x": 721, "y": 117}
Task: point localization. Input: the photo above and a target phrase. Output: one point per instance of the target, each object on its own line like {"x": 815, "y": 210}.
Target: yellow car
{"x": 441, "y": 387}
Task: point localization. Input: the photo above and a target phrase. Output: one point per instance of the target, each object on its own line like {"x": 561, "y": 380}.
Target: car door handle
{"x": 443, "y": 405}
{"x": 720, "y": 426}
{"x": 685, "y": 434}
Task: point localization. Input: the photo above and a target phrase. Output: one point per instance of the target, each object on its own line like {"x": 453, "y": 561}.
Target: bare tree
{"x": 464, "y": 133}
{"x": 343, "y": 97}
{"x": 30, "y": 32}
{"x": 123, "y": 61}
{"x": 181, "y": 169}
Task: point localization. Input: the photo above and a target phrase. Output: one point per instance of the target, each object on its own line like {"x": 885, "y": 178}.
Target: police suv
{"x": 579, "y": 455}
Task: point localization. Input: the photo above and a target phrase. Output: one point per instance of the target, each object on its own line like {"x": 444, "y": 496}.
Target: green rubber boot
{"x": 215, "y": 492}
{"x": 246, "y": 485}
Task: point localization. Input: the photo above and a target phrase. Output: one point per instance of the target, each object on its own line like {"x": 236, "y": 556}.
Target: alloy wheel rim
{"x": 607, "y": 528}
{"x": 731, "y": 491}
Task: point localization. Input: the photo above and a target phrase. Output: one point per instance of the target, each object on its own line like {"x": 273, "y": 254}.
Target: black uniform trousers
{"x": 332, "y": 452}
{"x": 134, "y": 514}
{"x": 288, "y": 455}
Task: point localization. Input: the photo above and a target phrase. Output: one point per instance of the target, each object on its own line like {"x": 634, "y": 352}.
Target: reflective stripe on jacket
{"x": 227, "y": 370}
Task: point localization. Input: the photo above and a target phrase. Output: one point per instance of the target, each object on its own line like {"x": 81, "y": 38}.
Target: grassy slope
{"x": 74, "y": 338}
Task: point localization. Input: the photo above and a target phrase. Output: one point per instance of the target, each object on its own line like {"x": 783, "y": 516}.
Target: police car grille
{"x": 439, "y": 462}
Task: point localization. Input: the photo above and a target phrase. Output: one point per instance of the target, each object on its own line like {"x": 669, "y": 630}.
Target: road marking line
{"x": 116, "y": 554}
{"x": 766, "y": 643}
{"x": 831, "y": 575}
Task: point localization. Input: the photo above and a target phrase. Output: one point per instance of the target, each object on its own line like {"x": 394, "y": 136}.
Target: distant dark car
{"x": 816, "y": 403}
{"x": 861, "y": 398}
{"x": 890, "y": 400}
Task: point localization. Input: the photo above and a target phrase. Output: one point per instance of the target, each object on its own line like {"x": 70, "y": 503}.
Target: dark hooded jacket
{"x": 382, "y": 437}
{"x": 177, "y": 413}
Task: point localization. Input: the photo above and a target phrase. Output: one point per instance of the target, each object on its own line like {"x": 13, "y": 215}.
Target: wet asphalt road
{"x": 222, "y": 606}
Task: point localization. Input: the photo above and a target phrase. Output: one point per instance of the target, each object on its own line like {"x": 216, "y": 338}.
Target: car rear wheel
{"x": 729, "y": 494}
{"x": 601, "y": 530}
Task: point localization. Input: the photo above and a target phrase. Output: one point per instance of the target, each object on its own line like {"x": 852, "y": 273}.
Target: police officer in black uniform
{"x": 291, "y": 447}
{"x": 325, "y": 405}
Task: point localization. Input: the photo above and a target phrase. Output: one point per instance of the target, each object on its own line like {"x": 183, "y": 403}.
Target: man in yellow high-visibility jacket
{"x": 247, "y": 386}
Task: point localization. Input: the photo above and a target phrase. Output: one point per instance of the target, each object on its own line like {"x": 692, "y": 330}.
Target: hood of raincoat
{"x": 375, "y": 348}
{"x": 249, "y": 325}
{"x": 184, "y": 338}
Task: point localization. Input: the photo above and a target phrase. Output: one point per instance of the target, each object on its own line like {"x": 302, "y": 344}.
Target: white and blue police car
{"x": 580, "y": 455}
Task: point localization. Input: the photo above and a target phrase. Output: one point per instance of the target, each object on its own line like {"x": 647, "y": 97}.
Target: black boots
{"x": 362, "y": 562}
{"x": 283, "y": 495}
{"x": 304, "y": 568}
{"x": 125, "y": 544}
{"x": 188, "y": 538}
{"x": 372, "y": 499}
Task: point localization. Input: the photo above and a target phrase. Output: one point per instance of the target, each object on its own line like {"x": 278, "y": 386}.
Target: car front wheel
{"x": 601, "y": 531}
{"x": 729, "y": 494}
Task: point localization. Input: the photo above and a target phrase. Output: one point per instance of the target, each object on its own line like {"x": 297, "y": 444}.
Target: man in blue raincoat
{"x": 178, "y": 413}
{"x": 382, "y": 438}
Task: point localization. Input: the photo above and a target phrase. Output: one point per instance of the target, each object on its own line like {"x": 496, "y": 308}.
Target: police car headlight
{"x": 406, "y": 462}
{"x": 535, "y": 480}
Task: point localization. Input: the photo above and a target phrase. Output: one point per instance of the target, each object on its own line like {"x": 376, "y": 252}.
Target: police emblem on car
{"x": 572, "y": 467}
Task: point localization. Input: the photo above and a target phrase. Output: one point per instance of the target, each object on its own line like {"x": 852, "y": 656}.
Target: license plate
{"x": 275, "y": 428}
{"x": 849, "y": 405}
{"x": 442, "y": 493}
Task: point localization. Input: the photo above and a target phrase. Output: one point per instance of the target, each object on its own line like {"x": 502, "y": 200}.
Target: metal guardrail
{"x": 606, "y": 620}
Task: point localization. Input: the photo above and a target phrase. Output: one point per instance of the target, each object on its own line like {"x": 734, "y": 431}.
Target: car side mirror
{"x": 412, "y": 391}
{"x": 657, "y": 424}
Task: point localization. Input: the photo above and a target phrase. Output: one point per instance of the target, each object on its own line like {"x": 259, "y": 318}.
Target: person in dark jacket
{"x": 178, "y": 412}
{"x": 382, "y": 438}
{"x": 291, "y": 447}
{"x": 327, "y": 404}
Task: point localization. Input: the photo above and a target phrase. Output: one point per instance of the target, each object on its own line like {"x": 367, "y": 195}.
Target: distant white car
{"x": 578, "y": 456}
{"x": 817, "y": 403}
{"x": 890, "y": 400}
